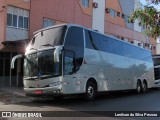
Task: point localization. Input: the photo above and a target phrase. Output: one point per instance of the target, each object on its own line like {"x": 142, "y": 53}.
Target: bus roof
{"x": 76, "y": 25}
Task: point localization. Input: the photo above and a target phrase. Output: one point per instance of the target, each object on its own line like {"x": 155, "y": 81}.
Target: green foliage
{"x": 149, "y": 17}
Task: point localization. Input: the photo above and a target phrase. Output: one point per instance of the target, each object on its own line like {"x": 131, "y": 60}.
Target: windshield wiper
{"x": 33, "y": 49}
{"x": 47, "y": 45}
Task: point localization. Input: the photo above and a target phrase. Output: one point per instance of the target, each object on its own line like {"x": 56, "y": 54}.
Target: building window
{"x": 13, "y": 19}
{"x": 20, "y": 22}
{"x": 123, "y": 15}
{"x": 112, "y": 13}
{"x": 122, "y": 38}
{"x": 118, "y": 14}
{"x": 26, "y": 22}
{"x": 85, "y": 3}
{"x": 9, "y": 19}
{"x": 48, "y": 22}
{"x": 17, "y": 23}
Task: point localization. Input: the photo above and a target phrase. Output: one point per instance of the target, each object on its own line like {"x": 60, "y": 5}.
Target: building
{"x": 158, "y": 46}
{"x": 20, "y": 18}
{"x": 105, "y": 16}
{"x": 14, "y": 22}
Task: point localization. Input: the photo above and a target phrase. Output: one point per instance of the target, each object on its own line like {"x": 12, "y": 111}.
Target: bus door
{"x": 69, "y": 71}
{"x": 73, "y": 59}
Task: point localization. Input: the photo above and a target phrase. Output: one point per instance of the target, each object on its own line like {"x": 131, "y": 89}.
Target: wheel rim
{"x": 138, "y": 88}
{"x": 90, "y": 91}
{"x": 144, "y": 87}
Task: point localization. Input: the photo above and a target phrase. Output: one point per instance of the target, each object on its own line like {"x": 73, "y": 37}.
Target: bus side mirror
{"x": 57, "y": 53}
{"x": 14, "y": 59}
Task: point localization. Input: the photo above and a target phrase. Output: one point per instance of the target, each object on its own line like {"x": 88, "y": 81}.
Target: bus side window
{"x": 88, "y": 40}
{"x": 74, "y": 42}
{"x": 69, "y": 63}
{"x": 69, "y": 67}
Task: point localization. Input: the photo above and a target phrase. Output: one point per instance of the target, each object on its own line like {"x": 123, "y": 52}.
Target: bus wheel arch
{"x": 144, "y": 86}
{"x": 139, "y": 86}
{"x": 91, "y": 89}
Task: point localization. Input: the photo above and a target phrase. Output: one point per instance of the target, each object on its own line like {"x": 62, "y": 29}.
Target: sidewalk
{"x": 14, "y": 90}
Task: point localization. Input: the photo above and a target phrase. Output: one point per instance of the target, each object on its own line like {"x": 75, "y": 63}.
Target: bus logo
{"x": 6, "y": 114}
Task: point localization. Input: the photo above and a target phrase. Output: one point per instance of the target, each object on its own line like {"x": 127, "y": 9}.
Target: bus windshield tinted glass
{"x": 31, "y": 65}
{"x": 41, "y": 65}
{"x": 52, "y": 37}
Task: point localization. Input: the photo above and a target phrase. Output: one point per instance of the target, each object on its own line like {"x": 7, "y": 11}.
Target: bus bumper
{"x": 47, "y": 91}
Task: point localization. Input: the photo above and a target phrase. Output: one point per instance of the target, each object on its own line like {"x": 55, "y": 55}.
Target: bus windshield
{"x": 50, "y": 36}
{"x": 41, "y": 65}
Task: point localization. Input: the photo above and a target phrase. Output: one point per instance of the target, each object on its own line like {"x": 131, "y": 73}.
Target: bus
{"x": 70, "y": 59}
{"x": 156, "y": 61}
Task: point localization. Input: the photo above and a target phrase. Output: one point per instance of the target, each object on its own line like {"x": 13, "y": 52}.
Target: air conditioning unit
{"x": 132, "y": 42}
{"x": 146, "y": 45}
{"x": 139, "y": 44}
{"x": 95, "y": 5}
{"x": 107, "y": 10}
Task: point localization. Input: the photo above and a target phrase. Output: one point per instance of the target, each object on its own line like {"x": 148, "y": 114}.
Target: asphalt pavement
{"x": 14, "y": 99}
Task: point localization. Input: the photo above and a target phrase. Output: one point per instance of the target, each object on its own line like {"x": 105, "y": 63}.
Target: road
{"x": 115, "y": 101}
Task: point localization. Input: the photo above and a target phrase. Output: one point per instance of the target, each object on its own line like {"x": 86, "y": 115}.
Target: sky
{"x": 156, "y": 6}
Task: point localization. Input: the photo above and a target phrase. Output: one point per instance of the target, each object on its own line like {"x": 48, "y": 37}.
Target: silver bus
{"x": 70, "y": 59}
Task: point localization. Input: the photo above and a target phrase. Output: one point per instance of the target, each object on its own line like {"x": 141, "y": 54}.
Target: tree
{"x": 150, "y": 17}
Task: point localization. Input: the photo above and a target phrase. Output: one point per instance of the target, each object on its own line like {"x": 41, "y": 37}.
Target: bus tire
{"x": 144, "y": 87}
{"x": 139, "y": 87}
{"x": 91, "y": 91}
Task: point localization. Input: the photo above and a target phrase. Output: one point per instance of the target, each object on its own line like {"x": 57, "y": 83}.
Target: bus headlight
{"x": 55, "y": 84}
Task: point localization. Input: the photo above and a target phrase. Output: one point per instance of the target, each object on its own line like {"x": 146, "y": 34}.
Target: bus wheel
{"x": 90, "y": 91}
{"x": 139, "y": 87}
{"x": 144, "y": 87}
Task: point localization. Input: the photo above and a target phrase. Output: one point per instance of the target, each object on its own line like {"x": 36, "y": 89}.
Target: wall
{"x": 112, "y": 28}
{"x": 116, "y": 6}
{"x": 25, "y": 4}
{"x": 3, "y": 19}
{"x": 2, "y": 22}
{"x": 137, "y": 27}
{"x": 66, "y": 11}
{"x": 71, "y": 11}
{"x": 120, "y": 27}
{"x": 99, "y": 16}
{"x": 127, "y": 7}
